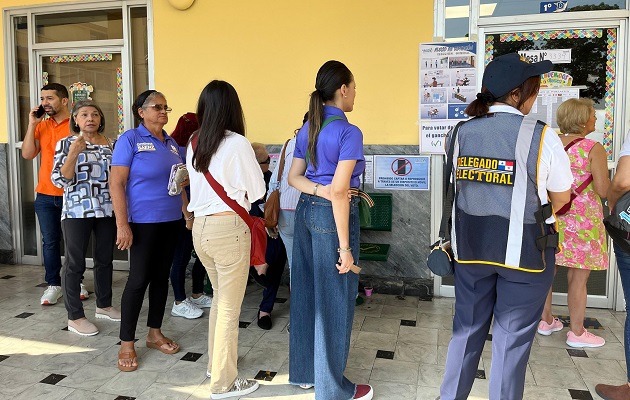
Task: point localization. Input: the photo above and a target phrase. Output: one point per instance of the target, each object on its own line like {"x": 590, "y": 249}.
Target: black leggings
{"x": 150, "y": 258}
{"x": 76, "y": 236}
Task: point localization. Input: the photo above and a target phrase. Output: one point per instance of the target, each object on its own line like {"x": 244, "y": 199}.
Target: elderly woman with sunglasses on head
{"x": 147, "y": 219}
{"x": 81, "y": 168}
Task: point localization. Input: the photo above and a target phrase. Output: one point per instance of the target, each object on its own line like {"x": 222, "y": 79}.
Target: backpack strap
{"x": 325, "y": 124}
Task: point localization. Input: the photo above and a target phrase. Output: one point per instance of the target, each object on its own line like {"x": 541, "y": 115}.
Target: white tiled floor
{"x": 400, "y": 360}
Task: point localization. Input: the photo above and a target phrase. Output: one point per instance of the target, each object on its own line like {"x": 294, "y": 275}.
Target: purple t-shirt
{"x": 338, "y": 141}
{"x": 149, "y": 161}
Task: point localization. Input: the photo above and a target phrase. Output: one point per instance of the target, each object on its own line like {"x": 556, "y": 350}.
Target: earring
{"x": 345, "y": 96}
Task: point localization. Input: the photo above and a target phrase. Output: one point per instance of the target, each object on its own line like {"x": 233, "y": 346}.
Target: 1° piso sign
{"x": 553, "y": 6}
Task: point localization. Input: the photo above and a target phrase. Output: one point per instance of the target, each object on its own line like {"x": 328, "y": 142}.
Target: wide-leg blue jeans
{"x": 623, "y": 263}
{"x": 322, "y": 300}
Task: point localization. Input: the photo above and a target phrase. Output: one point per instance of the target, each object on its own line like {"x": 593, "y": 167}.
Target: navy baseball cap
{"x": 508, "y": 72}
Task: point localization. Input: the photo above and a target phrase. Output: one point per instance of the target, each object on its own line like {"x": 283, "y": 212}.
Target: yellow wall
{"x": 271, "y": 52}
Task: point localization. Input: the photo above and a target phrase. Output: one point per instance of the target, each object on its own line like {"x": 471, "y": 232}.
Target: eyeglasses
{"x": 159, "y": 107}
{"x": 267, "y": 161}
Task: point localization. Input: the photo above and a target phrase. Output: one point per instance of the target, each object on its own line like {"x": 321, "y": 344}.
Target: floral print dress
{"x": 582, "y": 232}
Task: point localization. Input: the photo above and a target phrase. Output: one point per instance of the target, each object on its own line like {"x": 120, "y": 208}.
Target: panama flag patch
{"x": 506, "y": 166}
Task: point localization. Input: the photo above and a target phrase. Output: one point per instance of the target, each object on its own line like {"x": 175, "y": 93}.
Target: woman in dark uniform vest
{"x": 506, "y": 168}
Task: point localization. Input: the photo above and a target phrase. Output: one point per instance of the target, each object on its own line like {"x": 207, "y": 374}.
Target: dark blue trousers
{"x": 515, "y": 299}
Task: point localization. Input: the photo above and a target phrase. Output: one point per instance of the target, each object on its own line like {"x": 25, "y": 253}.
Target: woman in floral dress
{"x": 582, "y": 232}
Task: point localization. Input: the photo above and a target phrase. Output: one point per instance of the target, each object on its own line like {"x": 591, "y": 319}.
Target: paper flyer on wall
{"x": 448, "y": 83}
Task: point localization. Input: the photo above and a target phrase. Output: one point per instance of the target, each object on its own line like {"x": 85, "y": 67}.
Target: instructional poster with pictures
{"x": 448, "y": 82}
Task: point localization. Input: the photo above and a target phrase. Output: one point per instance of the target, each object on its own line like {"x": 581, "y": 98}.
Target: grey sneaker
{"x": 186, "y": 309}
{"x": 202, "y": 301}
{"x": 240, "y": 387}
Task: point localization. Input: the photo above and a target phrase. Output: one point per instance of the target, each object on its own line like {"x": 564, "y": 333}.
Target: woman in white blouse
{"x": 221, "y": 238}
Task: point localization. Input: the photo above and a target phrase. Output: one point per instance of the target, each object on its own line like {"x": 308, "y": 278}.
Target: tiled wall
{"x": 405, "y": 271}
{"x": 6, "y": 241}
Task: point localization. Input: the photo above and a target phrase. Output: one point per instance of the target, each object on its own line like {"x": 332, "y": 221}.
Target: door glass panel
{"x": 97, "y": 76}
{"x": 75, "y": 26}
{"x": 592, "y": 64}
{"x": 140, "y": 50}
{"x": 27, "y": 196}
{"x": 501, "y": 8}
{"x": 21, "y": 68}
{"x": 456, "y": 14}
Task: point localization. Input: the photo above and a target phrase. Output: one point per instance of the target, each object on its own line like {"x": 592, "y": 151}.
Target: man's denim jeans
{"x": 322, "y": 300}
{"x": 48, "y": 210}
{"x": 623, "y": 263}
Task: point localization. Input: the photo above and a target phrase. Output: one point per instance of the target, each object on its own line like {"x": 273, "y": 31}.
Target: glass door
{"x": 95, "y": 76}
{"x": 585, "y": 65}
{"x": 587, "y": 58}
{"x": 99, "y": 51}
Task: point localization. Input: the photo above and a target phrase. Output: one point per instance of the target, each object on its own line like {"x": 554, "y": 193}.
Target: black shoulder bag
{"x": 441, "y": 259}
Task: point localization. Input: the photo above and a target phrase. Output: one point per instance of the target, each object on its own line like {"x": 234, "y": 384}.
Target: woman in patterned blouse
{"x": 81, "y": 168}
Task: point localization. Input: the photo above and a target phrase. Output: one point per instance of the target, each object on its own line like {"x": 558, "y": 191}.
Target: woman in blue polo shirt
{"x": 323, "y": 287}
{"x": 147, "y": 221}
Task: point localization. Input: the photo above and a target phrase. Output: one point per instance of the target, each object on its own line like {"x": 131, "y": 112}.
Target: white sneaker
{"x": 202, "y": 301}
{"x": 186, "y": 309}
{"x": 306, "y": 386}
{"x": 240, "y": 387}
{"x": 51, "y": 295}
{"x": 84, "y": 293}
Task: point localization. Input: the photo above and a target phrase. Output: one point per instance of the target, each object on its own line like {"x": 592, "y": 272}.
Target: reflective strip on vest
{"x": 519, "y": 192}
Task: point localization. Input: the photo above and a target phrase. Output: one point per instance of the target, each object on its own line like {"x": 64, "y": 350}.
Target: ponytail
{"x": 330, "y": 77}
{"x": 315, "y": 120}
{"x": 481, "y": 105}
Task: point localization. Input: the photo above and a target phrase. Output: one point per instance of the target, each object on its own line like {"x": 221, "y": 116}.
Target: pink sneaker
{"x": 586, "y": 339}
{"x": 547, "y": 329}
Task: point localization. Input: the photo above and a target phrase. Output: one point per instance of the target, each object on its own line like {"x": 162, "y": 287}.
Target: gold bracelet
{"x": 191, "y": 217}
{"x": 344, "y": 249}
{"x": 315, "y": 189}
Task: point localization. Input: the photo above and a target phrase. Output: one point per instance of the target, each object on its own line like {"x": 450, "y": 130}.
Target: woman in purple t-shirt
{"x": 328, "y": 160}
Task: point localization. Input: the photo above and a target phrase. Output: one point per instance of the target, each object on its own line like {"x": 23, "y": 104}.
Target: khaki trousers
{"x": 223, "y": 245}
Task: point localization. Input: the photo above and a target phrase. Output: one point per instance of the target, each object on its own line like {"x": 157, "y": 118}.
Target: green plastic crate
{"x": 381, "y": 213}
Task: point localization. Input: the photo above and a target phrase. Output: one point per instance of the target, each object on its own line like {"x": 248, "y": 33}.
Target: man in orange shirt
{"x": 41, "y": 137}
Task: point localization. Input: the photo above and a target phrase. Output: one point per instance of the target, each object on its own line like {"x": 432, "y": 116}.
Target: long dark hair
{"x": 330, "y": 77}
{"x": 218, "y": 110}
{"x": 481, "y": 104}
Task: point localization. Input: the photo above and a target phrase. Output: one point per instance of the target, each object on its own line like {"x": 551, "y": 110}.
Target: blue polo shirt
{"x": 338, "y": 141}
{"x": 149, "y": 161}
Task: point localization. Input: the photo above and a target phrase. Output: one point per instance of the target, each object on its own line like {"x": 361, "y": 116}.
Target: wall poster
{"x": 448, "y": 83}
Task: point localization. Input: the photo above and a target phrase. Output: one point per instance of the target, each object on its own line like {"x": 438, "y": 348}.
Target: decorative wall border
{"x": 119, "y": 96}
{"x": 81, "y": 58}
{"x": 611, "y": 59}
